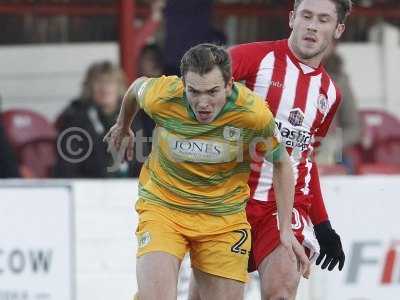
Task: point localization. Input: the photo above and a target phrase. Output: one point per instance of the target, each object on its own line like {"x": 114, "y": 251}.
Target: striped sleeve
{"x": 154, "y": 90}
{"x": 246, "y": 59}
{"x": 271, "y": 144}
{"x": 327, "y": 121}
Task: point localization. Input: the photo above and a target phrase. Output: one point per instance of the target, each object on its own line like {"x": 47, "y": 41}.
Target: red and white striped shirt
{"x": 302, "y": 99}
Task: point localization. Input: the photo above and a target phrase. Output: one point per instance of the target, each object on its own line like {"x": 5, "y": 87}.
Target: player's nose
{"x": 312, "y": 25}
{"x": 204, "y": 102}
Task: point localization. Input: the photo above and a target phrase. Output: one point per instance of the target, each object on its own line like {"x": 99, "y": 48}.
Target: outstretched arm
{"x": 331, "y": 250}
{"x": 120, "y": 137}
{"x": 318, "y": 213}
{"x": 284, "y": 190}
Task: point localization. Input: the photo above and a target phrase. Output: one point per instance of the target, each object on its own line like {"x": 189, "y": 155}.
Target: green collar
{"x": 230, "y": 103}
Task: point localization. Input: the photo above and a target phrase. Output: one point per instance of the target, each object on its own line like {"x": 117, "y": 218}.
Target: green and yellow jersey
{"x": 195, "y": 167}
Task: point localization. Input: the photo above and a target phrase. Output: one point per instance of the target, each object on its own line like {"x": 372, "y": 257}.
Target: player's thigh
{"x": 194, "y": 293}
{"x": 213, "y": 287}
{"x": 157, "y": 232}
{"x": 279, "y": 275}
{"x": 224, "y": 255}
{"x": 157, "y": 276}
{"x": 161, "y": 246}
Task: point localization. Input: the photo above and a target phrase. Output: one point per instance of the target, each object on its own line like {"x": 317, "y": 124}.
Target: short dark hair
{"x": 202, "y": 58}
{"x": 343, "y": 8}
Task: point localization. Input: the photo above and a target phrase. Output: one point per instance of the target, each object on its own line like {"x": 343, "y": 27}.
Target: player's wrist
{"x": 285, "y": 233}
{"x": 122, "y": 124}
{"x": 323, "y": 226}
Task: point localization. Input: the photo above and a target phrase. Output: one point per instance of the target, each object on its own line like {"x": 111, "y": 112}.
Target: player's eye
{"x": 307, "y": 17}
{"x": 213, "y": 92}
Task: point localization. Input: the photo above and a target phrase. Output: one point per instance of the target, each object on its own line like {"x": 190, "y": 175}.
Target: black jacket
{"x": 8, "y": 162}
{"x": 81, "y": 150}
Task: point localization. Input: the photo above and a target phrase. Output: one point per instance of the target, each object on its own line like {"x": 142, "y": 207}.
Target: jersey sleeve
{"x": 270, "y": 144}
{"x": 154, "y": 90}
{"x": 327, "y": 121}
{"x": 318, "y": 213}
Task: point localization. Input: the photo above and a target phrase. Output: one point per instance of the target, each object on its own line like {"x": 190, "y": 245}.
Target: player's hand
{"x": 295, "y": 251}
{"x": 330, "y": 246}
{"x": 121, "y": 141}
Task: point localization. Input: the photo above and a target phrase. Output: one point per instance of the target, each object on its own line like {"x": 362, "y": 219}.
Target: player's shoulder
{"x": 333, "y": 91}
{"x": 159, "y": 96}
{"x": 258, "y": 48}
{"x": 254, "y": 110}
{"x": 165, "y": 86}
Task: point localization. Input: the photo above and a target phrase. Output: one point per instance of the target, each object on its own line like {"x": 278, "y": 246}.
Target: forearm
{"x": 284, "y": 190}
{"x": 318, "y": 211}
{"x": 130, "y": 106}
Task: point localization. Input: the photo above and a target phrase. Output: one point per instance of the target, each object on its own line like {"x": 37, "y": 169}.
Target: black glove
{"x": 330, "y": 246}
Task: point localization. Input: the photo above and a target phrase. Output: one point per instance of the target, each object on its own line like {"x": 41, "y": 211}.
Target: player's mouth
{"x": 204, "y": 115}
{"x": 310, "y": 39}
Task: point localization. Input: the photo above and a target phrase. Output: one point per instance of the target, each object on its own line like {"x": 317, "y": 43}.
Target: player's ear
{"x": 229, "y": 86}
{"x": 291, "y": 19}
{"x": 339, "y": 30}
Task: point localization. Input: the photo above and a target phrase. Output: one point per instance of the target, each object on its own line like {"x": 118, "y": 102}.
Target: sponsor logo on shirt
{"x": 299, "y": 139}
{"x": 202, "y": 151}
{"x": 276, "y": 84}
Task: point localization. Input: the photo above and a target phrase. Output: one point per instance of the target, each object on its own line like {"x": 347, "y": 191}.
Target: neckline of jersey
{"x": 298, "y": 62}
{"x": 230, "y": 103}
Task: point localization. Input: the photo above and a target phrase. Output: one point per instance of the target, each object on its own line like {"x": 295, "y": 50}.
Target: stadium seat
{"x": 33, "y": 139}
{"x": 379, "y": 168}
{"x": 380, "y": 138}
{"x": 331, "y": 170}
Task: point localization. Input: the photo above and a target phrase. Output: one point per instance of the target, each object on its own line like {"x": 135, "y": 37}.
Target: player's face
{"x": 207, "y": 93}
{"x": 314, "y": 27}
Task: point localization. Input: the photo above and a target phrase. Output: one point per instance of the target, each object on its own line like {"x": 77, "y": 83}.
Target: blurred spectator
{"x": 346, "y": 128}
{"x": 95, "y": 111}
{"x": 151, "y": 61}
{"x": 146, "y": 32}
{"x": 8, "y": 162}
{"x": 188, "y": 23}
{"x": 151, "y": 64}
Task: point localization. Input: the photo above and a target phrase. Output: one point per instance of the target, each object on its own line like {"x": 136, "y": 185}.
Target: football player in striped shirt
{"x": 303, "y": 98}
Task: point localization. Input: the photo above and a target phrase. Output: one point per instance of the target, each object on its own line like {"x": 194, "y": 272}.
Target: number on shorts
{"x": 243, "y": 237}
{"x": 297, "y": 221}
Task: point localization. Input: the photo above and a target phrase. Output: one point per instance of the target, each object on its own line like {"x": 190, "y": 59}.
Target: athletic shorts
{"x": 218, "y": 245}
{"x": 262, "y": 217}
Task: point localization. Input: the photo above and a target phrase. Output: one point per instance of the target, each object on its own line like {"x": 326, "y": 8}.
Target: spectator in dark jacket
{"x": 345, "y": 131}
{"x": 150, "y": 64}
{"x": 91, "y": 116}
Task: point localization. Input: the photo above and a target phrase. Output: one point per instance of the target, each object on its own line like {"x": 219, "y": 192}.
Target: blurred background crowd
{"x": 43, "y": 99}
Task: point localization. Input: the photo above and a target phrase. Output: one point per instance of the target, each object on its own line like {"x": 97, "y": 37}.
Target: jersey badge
{"x": 144, "y": 239}
{"x": 322, "y": 104}
{"x": 231, "y": 134}
{"x": 296, "y": 117}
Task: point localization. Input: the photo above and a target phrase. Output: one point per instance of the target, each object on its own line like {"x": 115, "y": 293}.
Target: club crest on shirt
{"x": 144, "y": 239}
{"x": 231, "y": 133}
{"x": 296, "y": 117}
{"x": 322, "y": 104}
